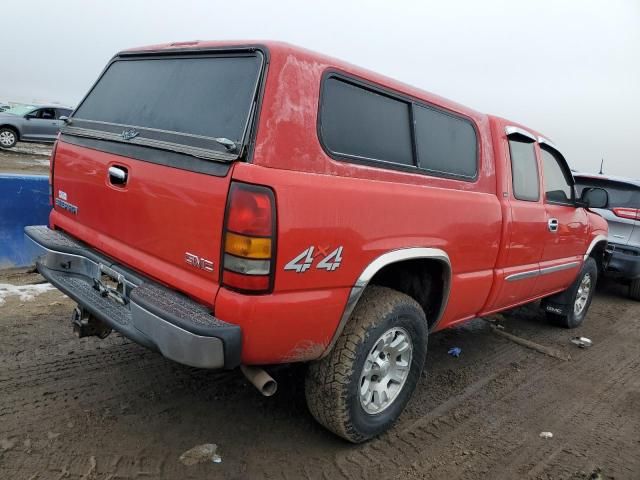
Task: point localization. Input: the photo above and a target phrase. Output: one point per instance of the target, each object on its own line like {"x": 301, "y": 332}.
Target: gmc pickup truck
{"x": 249, "y": 204}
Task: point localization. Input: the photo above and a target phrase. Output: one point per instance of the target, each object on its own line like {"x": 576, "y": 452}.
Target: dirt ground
{"x": 109, "y": 409}
{"x": 29, "y": 158}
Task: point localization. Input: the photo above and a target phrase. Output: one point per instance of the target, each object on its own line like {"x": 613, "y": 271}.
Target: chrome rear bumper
{"x": 140, "y": 309}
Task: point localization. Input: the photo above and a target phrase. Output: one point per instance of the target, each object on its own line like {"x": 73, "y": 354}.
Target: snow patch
{"x": 25, "y": 292}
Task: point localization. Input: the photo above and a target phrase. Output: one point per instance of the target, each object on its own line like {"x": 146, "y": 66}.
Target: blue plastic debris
{"x": 455, "y": 351}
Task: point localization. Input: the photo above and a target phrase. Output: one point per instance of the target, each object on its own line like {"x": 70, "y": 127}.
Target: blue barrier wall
{"x": 24, "y": 200}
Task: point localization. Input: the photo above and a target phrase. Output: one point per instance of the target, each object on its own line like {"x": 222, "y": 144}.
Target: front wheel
{"x": 8, "y": 138}
{"x": 580, "y": 296}
{"x": 364, "y": 384}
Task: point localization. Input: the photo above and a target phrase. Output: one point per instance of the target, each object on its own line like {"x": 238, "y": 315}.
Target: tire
{"x": 8, "y": 137}
{"x": 576, "y": 313}
{"x": 634, "y": 289}
{"x": 381, "y": 318}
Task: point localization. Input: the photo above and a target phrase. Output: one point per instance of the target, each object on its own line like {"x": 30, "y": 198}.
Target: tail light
{"x": 249, "y": 239}
{"x": 629, "y": 213}
{"x": 51, "y": 160}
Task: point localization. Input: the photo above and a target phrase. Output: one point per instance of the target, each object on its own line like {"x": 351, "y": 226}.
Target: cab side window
{"x": 365, "y": 124}
{"x": 524, "y": 170}
{"x": 368, "y": 124}
{"x": 557, "y": 187}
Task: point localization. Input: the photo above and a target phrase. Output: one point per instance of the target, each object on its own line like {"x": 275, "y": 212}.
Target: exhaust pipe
{"x": 260, "y": 379}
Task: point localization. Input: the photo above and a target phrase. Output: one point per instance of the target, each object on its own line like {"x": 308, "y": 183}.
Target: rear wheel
{"x": 634, "y": 289}
{"x": 364, "y": 384}
{"x": 8, "y": 137}
{"x": 581, "y": 294}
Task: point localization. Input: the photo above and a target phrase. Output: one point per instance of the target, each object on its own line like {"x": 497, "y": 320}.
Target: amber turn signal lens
{"x": 247, "y": 247}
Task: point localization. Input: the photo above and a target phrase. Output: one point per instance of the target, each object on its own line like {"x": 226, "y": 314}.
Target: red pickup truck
{"x": 246, "y": 204}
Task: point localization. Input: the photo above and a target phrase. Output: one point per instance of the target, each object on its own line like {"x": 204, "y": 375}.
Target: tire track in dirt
{"x": 474, "y": 417}
{"x": 503, "y": 435}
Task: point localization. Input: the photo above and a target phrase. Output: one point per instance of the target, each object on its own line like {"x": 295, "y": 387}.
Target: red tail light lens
{"x": 250, "y": 210}
{"x": 629, "y": 213}
{"x": 246, "y": 283}
{"x": 249, "y": 239}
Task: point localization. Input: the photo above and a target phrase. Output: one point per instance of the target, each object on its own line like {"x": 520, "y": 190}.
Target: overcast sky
{"x": 570, "y": 69}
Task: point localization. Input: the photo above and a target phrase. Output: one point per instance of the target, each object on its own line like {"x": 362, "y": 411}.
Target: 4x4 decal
{"x": 304, "y": 261}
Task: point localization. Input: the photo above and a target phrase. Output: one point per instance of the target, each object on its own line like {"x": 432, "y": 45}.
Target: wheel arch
{"x": 417, "y": 257}
{"x": 11, "y": 127}
{"x": 596, "y": 250}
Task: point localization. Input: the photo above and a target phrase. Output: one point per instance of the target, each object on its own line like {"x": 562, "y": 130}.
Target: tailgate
{"x": 142, "y": 169}
{"x": 160, "y": 220}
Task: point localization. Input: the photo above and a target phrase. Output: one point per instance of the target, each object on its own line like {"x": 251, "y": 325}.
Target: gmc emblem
{"x": 198, "y": 262}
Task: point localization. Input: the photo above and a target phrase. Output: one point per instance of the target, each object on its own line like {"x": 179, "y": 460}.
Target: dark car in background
{"x": 31, "y": 123}
{"x": 623, "y": 217}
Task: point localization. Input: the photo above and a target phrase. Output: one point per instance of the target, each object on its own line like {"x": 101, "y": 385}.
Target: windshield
{"x": 20, "y": 110}
{"x": 184, "y": 101}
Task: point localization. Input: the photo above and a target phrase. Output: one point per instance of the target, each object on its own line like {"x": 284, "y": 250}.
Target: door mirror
{"x": 594, "y": 198}
{"x": 64, "y": 118}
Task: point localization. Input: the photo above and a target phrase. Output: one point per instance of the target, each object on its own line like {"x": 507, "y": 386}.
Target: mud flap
{"x": 558, "y": 303}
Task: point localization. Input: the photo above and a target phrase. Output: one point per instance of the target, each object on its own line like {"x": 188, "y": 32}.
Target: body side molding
{"x": 394, "y": 256}
{"x": 541, "y": 271}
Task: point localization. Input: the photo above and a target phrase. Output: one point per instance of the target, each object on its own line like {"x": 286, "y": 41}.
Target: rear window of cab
{"x": 364, "y": 124}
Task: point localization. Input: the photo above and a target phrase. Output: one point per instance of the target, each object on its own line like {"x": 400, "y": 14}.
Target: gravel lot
{"x": 109, "y": 409}
{"x": 30, "y": 158}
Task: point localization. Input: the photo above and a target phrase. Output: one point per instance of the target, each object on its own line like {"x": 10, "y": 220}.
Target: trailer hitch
{"x": 86, "y": 325}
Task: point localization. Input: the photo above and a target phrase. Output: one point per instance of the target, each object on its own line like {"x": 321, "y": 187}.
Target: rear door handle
{"x": 118, "y": 175}
{"x": 553, "y": 224}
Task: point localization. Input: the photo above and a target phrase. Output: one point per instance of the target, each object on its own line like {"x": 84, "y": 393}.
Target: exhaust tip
{"x": 260, "y": 379}
{"x": 269, "y": 388}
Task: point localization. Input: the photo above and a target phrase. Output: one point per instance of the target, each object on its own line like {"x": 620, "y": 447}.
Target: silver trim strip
{"x": 376, "y": 265}
{"x": 522, "y": 275}
{"x": 541, "y": 271}
{"x": 549, "y": 143}
{"x": 594, "y": 242}
{"x": 511, "y": 130}
{"x": 148, "y": 142}
{"x": 558, "y": 268}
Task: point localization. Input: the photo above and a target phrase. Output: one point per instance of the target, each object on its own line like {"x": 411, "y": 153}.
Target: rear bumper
{"x": 624, "y": 261}
{"x": 140, "y": 309}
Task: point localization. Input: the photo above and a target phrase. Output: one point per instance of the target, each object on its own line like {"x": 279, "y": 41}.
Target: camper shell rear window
{"x": 198, "y": 104}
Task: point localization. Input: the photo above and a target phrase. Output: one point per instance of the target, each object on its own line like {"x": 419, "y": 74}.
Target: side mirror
{"x": 594, "y": 198}
{"x": 64, "y": 118}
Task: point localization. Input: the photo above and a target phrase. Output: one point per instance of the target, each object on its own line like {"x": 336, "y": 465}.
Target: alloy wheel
{"x": 385, "y": 370}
